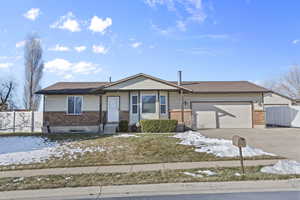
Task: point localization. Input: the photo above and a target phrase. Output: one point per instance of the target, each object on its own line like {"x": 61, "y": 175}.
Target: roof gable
{"x": 142, "y": 82}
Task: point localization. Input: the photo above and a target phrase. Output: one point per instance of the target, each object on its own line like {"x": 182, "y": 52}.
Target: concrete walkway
{"x": 131, "y": 168}
{"x": 153, "y": 189}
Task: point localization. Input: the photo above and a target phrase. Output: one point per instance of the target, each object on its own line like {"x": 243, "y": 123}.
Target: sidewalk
{"x": 154, "y": 189}
{"x": 132, "y": 168}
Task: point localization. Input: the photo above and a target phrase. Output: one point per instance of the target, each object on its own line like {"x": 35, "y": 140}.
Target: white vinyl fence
{"x": 283, "y": 116}
{"x": 21, "y": 121}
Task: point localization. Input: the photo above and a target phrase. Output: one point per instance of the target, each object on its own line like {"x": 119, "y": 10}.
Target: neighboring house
{"x": 272, "y": 99}
{"x": 92, "y": 106}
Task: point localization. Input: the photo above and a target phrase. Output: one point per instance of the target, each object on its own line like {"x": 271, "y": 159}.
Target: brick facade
{"x": 87, "y": 118}
{"x": 176, "y": 114}
{"x": 258, "y": 117}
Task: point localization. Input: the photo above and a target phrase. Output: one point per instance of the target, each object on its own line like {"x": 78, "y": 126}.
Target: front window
{"x": 163, "y": 105}
{"x": 74, "y": 105}
{"x": 148, "y": 104}
{"x": 134, "y": 105}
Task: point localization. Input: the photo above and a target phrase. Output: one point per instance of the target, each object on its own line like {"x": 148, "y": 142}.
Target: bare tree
{"x": 33, "y": 72}
{"x": 288, "y": 84}
{"x": 7, "y": 88}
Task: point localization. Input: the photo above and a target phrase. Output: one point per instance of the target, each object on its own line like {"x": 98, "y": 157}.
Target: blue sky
{"x": 209, "y": 40}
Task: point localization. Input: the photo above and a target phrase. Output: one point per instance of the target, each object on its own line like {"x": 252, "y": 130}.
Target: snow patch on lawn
{"x": 283, "y": 167}
{"x": 192, "y": 174}
{"x": 237, "y": 174}
{"x": 126, "y": 135}
{"x": 207, "y": 172}
{"x": 201, "y": 173}
{"x": 41, "y": 155}
{"x": 218, "y": 147}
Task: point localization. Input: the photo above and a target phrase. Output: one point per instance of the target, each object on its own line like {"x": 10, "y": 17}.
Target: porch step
{"x": 110, "y": 128}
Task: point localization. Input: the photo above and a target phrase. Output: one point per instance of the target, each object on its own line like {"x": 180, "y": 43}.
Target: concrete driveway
{"x": 280, "y": 141}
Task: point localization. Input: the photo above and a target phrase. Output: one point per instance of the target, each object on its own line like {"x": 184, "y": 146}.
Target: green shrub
{"x": 158, "y": 125}
{"x": 123, "y": 126}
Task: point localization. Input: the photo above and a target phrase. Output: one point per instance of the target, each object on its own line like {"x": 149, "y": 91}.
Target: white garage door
{"x": 222, "y": 115}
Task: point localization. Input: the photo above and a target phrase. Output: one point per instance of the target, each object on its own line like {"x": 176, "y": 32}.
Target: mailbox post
{"x": 240, "y": 142}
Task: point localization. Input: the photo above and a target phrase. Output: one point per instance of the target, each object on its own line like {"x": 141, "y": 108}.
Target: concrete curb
{"x": 155, "y": 189}
{"x": 132, "y": 168}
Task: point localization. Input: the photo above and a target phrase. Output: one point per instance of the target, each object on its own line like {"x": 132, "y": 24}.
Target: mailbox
{"x": 238, "y": 141}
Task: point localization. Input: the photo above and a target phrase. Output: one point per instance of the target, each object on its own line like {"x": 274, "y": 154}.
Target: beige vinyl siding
{"x": 275, "y": 99}
{"x": 141, "y": 83}
{"x": 58, "y": 103}
{"x": 256, "y": 98}
{"x": 124, "y": 100}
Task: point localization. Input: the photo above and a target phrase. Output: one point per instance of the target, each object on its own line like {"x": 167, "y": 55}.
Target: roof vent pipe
{"x": 179, "y": 78}
{"x": 109, "y": 79}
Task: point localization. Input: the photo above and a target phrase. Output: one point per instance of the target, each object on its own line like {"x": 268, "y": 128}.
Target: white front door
{"x": 113, "y": 105}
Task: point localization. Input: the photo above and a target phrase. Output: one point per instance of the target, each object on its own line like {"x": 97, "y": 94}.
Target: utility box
{"x": 238, "y": 141}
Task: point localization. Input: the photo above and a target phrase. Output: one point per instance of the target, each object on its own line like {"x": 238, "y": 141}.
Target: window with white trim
{"x": 163, "y": 104}
{"x": 148, "y": 104}
{"x": 74, "y": 105}
{"x": 134, "y": 104}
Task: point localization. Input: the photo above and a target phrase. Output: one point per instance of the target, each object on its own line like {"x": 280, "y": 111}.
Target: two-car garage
{"x": 221, "y": 114}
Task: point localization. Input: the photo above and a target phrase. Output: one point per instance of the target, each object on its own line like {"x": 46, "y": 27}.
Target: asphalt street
{"x": 293, "y": 195}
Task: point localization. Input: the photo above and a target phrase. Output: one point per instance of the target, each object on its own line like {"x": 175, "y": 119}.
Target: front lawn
{"x": 149, "y": 177}
{"x": 147, "y": 148}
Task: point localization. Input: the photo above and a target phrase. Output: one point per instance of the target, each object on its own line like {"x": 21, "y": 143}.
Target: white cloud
{"x": 5, "y": 65}
{"x": 80, "y": 48}
{"x": 99, "y": 49}
{"x": 58, "y": 65}
{"x": 58, "y": 47}
{"x": 67, "y": 22}
{"x": 136, "y": 44}
{"x": 10, "y": 57}
{"x": 84, "y": 67}
{"x": 295, "y": 41}
{"x": 20, "y": 44}
{"x": 100, "y": 25}
{"x": 32, "y": 14}
{"x": 162, "y": 31}
{"x": 67, "y": 69}
{"x": 186, "y": 10}
{"x": 68, "y": 76}
{"x": 181, "y": 25}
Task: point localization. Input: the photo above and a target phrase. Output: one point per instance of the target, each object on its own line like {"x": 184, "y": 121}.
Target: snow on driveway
{"x": 283, "y": 167}
{"x": 218, "y": 147}
{"x": 41, "y": 155}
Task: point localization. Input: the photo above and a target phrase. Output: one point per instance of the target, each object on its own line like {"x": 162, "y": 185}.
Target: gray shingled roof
{"x": 71, "y": 88}
{"x": 195, "y": 86}
{"x": 222, "y": 86}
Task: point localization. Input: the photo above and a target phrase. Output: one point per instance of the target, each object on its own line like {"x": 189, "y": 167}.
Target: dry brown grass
{"x": 104, "y": 179}
{"x": 148, "y": 148}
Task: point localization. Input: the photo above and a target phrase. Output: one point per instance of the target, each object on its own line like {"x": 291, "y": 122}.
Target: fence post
{"x": 32, "y": 121}
{"x": 14, "y": 121}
